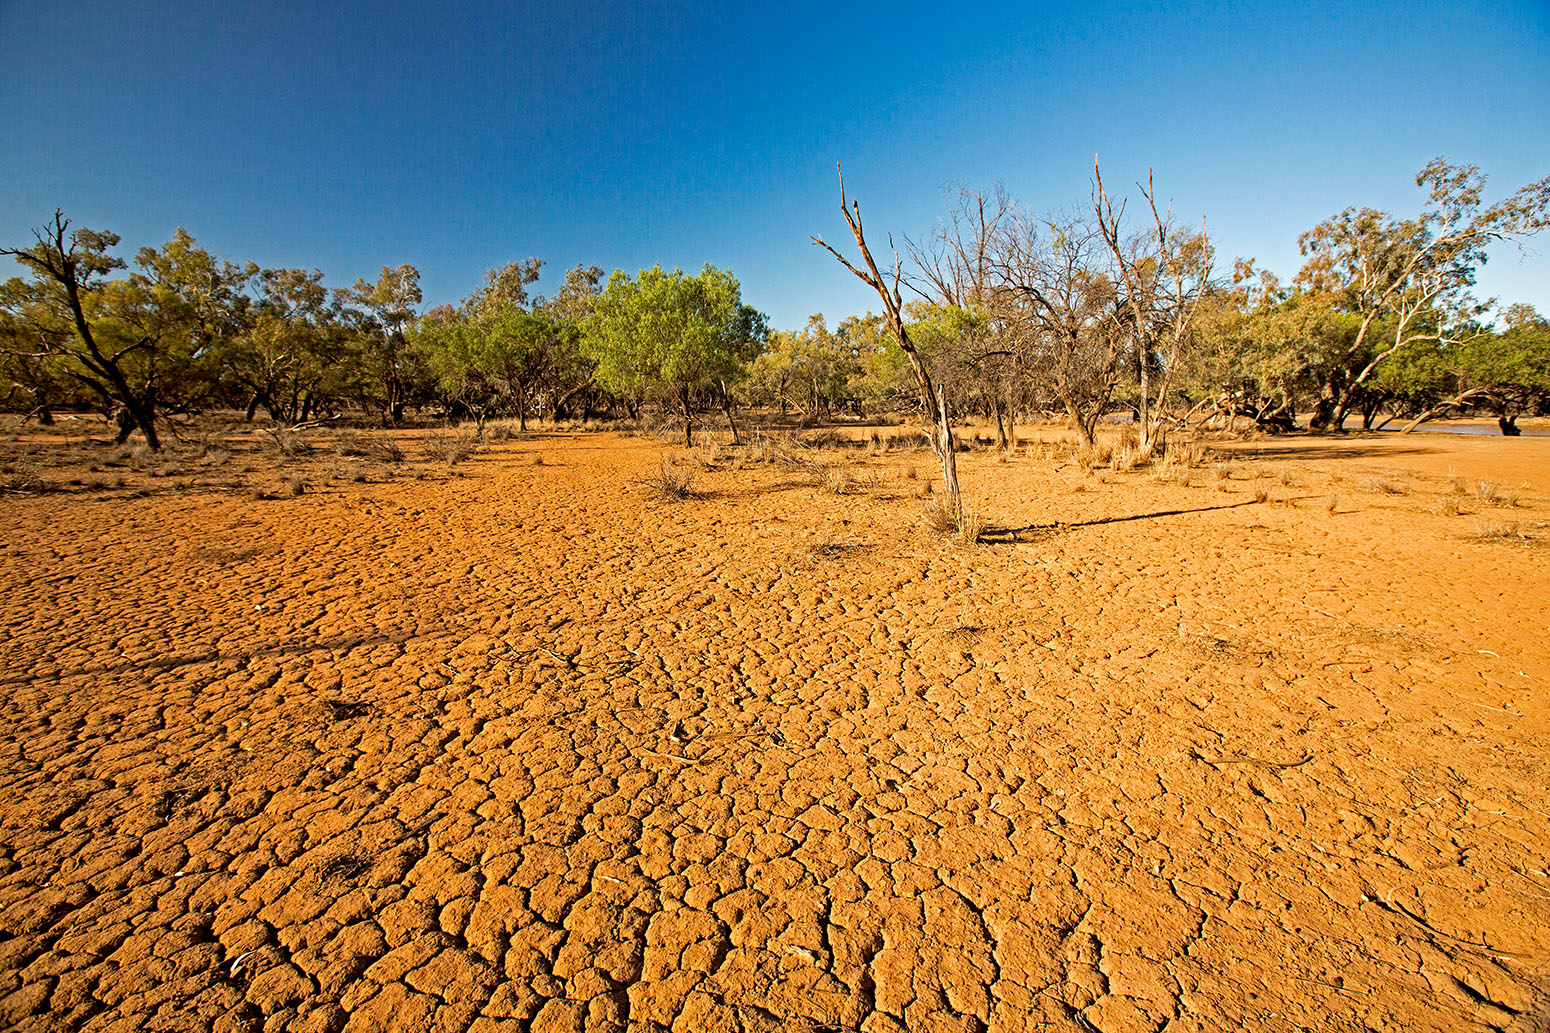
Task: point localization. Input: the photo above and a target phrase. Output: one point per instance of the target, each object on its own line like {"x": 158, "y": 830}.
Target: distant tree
{"x": 1061, "y": 308}
{"x": 1164, "y": 271}
{"x": 568, "y": 373}
{"x": 672, "y": 335}
{"x": 1410, "y": 278}
{"x": 504, "y": 288}
{"x": 291, "y": 348}
{"x": 810, "y": 369}
{"x": 381, "y": 313}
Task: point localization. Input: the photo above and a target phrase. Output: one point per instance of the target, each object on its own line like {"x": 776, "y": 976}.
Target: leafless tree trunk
{"x": 1163, "y": 289}
{"x": 931, "y": 399}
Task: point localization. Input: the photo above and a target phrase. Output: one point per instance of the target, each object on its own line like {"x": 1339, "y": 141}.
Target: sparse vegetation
{"x": 671, "y": 482}
{"x": 451, "y": 447}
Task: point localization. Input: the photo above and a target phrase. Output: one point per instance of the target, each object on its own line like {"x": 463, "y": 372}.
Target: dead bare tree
{"x": 1060, "y": 309}
{"x": 932, "y": 400}
{"x": 1165, "y": 273}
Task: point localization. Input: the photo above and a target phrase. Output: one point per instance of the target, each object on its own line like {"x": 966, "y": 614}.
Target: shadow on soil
{"x": 1033, "y": 532}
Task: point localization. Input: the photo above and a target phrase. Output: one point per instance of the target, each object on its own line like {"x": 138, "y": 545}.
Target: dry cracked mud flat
{"x": 523, "y": 749}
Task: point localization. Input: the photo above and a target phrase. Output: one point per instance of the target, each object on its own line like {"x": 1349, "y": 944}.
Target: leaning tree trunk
{"x": 931, "y": 398}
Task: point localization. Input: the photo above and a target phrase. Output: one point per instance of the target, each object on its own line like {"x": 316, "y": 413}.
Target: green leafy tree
{"x": 107, "y": 334}
{"x": 381, "y": 314}
{"x": 672, "y": 336}
{"x": 1407, "y": 280}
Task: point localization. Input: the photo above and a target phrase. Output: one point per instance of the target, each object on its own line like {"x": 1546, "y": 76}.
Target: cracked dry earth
{"x": 525, "y": 750}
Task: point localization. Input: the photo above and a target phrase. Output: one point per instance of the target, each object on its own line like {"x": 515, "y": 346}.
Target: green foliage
{"x": 670, "y": 335}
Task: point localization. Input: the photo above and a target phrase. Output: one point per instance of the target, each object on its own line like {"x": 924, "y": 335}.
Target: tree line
{"x": 1110, "y": 307}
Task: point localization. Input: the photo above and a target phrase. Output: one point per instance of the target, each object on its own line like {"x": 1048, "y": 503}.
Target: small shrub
{"x": 538, "y": 459}
{"x": 451, "y": 448}
{"x": 1333, "y": 503}
{"x": 1287, "y": 479}
{"x": 286, "y": 443}
{"x": 1449, "y": 506}
{"x": 357, "y": 445}
{"x": 295, "y": 487}
{"x": 671, "y": 483}
{"x": 1222, "y": 472}
{"x": 24, "y": 477}
{"x": 1261, "y": 495}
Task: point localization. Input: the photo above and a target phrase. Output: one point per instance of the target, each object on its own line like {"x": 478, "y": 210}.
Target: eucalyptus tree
{"x": 381, "y": 314}
{"x": 1408, "y": 280}
{"x": 103, "y": 333}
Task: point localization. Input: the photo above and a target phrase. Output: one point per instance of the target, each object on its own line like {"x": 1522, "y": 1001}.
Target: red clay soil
{"x": 523, "y": 748}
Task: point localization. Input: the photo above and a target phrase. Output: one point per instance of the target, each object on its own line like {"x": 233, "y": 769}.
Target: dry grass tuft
{"x": 1494, "y": 495}
{"x": 1127, "y": 457}
{"x": 964, "y": 524}
{"x": 1384, "y": 486}
{"x": 283, "y": 442}
{"x": 24, "y": 477}
{"x": 360, "y": 445}
{"x": 671, "y": 483}
{"x": 1499, "y": 531}
{"x": 838, "y": 480}
{"x": 1261, "y": 495}
{"x": 295, "y": 487}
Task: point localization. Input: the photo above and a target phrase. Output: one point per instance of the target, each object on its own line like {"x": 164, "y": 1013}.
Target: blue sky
{"x": 349, "y": 136}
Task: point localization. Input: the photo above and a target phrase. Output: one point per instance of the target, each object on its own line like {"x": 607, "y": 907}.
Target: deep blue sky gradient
{"x": 348, "y": 136}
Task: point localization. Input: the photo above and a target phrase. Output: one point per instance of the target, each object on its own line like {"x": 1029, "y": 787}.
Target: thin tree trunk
{"x": 726, "y": 405}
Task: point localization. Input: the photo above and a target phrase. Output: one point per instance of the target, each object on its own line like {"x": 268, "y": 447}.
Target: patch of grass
{"x": 1384, "y": 486}
{"x": 1494, "y": 495}
{"x": 1128, "y": 457}
{"x": 1449, "y": 506}
{"x": 1333, "y": 503}
{"x": 295, "y": 487}
{"x": 451, "y": 448}
{"x": 839, "y": 480}
{"x": 963, "y": 523}
{"x": 24, "y": 477}
{"x": 828, "y": 548}
{"x": 1499, "y": 531}
{"x": 1261, "y": 495}
{"x": 671, "y": 483}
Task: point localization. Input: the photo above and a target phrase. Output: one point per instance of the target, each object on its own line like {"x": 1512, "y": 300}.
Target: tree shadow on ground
{"x": 1034, "y": 532}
